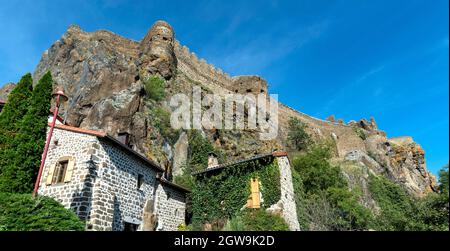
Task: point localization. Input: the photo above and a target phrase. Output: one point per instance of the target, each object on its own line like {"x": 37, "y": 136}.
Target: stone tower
{"x": 157, "y": 54}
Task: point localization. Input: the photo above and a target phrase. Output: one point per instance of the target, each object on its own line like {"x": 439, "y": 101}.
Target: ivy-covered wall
{"x": 218, "y": 196}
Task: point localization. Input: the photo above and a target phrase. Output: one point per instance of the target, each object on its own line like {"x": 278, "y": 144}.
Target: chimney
{"x": 212, "y": 160}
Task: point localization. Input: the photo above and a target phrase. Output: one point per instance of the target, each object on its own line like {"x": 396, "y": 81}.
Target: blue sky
{"x": 353, "y": 59}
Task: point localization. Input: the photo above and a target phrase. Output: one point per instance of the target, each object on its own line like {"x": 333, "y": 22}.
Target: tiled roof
{"x": 2, "y": 102}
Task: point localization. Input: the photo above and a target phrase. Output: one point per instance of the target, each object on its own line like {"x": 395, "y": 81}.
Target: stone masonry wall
{"x": 171, "y": 206}
{"x": 103, "y": 189}
{"x": 77, "y": 193}
{"x": 343, "y": 135}
{"x": 199, "y": 70}
{"x": 287, "y": 194}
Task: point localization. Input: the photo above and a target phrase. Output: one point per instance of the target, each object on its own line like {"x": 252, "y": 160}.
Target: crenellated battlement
{"x": 198, "y": 69}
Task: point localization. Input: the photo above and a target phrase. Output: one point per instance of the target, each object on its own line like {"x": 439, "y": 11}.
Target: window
{"x": 60, "y": 172}
{"x": 140, "y": 181}
{"x": 130, "y": 227}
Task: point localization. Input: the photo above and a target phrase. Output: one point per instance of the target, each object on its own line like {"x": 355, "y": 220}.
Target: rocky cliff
{"x": 5, "y": 90}
{"x": 102, "y": 73}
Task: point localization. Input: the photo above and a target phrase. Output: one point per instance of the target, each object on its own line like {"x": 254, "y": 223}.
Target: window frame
{"x": 57, "y": 172}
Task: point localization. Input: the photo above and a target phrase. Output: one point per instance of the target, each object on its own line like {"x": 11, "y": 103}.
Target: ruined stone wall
{"x": 343, "y": 135}
{"x": 287, "y": 194}
{"x": 200, "y": 71}
{"x": 248, "y": 84}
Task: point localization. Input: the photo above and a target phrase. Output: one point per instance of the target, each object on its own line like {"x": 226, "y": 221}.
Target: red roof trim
{"x": 80, "y": 130}
{"x": 115, "y": 141}
{"x": 280, "y": 154}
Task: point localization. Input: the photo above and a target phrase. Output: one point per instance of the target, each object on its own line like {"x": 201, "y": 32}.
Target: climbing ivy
{"x": 220, "y": 196}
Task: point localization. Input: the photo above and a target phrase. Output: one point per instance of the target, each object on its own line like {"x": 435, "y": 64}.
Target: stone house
{"x": 286, "y": 206}
{"x": 108, "y": 184}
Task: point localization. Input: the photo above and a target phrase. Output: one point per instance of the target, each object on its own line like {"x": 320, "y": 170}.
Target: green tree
{"x": 397, "y": 206}
{"x": 17, "y": 105}
{"x": 315, "y": 170}
{"x": 28, "y": 145}
{"x": 324, "y": 200}
{"x": 433, "y": 210}
{"x": 443, "y": 180}
{"x": 351, "y": 214}
{"x": 297, "y": 136}
{"x": 13, "y": 112}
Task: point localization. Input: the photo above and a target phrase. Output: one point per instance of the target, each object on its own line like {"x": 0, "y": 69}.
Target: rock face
{"x": 5, "y": 90}
{"x": 180, "y": 154}
{"x": 102, "y": 73}
{"x": 157, "y": 54}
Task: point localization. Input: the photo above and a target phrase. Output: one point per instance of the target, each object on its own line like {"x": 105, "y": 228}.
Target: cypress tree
{"x": 28, "y": 145}
{"x": 13, "y": 112}
{"x": 15, "y": 108}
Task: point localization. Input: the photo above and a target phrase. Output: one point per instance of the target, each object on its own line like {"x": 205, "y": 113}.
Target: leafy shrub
{"x": 360, "y": 132}
{"x": 22, "y": 212}
{"x": 297, "y": 136}
{"x": 186, "y": 180}
{"x": 402, "y": 212}
{"x": 154, "y": 87}
{"x": 396, "y": 205}
{"x": 198, "y": 150}
{"x": 315, "y": 170}
{"x": 324, "y": 201}
{"x": 351, "y": 214}
{"x": 260, "y": 220}
{"x": 235, "y": 224}
{"x": 161, "y": 120}
{"x": 182, "y": 227}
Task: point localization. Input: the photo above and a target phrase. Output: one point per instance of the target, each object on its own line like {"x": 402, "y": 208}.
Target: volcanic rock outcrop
{"x": 102, "y": 73}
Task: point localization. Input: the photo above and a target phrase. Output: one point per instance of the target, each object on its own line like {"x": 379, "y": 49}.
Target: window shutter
{"x": 69, "y": 170}
{"x": 50, "y": 174}
{"x": 255, "y": 193}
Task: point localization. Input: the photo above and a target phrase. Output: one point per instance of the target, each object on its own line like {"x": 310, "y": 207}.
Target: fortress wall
{"x": 199, "y": 70}
{"x": 346, "y": 139}
{"x": 221, "y": 83}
